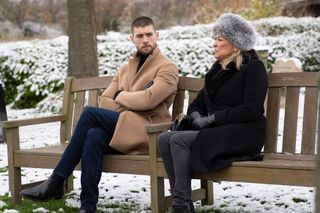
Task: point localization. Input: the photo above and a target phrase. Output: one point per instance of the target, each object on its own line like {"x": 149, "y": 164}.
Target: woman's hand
{"x": 201, "y": 122}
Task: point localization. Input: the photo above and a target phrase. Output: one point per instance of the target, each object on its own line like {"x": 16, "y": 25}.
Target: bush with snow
{"x": 8, "y": 29}
{"x": 34, "y": 70}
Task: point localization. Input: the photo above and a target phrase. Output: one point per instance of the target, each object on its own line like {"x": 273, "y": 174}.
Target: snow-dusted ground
{"x": 134, "y": 190}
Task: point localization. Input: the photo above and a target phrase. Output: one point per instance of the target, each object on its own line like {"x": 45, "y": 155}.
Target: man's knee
{"x": 95, "y": 137}
{"x": 89, "y": 110}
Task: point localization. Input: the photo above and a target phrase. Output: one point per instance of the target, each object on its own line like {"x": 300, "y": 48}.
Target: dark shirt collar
{"x": 142, "y": 59}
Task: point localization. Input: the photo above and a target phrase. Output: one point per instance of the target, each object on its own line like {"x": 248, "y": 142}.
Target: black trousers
{"x": 89, "y": 143}
{"x": 175, "y": 149}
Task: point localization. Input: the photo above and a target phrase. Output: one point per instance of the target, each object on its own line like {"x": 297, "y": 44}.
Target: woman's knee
{"x": 185, "y": 138}
{"x": 163, "y": 140}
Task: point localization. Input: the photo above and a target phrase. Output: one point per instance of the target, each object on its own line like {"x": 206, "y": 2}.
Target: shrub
{"x": 34, "y": 71}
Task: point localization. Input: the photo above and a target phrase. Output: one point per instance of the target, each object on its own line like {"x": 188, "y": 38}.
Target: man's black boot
{"x": 52, "y": 188}
{"x": 85, "y": 211}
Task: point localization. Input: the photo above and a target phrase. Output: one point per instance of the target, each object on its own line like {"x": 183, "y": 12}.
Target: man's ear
{"x": 131, "y": 37}
{"x": 157, "y": 34}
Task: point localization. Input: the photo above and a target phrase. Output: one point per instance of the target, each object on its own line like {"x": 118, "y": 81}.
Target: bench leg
{"x": 15, "y": 185}
{"x": 208, "y": 185}
{"x": 158, "y": 204}
{"x": 14, "y": 172}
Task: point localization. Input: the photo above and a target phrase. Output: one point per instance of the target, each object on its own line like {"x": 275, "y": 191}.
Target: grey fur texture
{"x": 236, "y": 29}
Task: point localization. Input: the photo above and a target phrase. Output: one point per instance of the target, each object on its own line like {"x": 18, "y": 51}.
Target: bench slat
{"x": 293, "y": 177}
{"x": 309, "y": 121}
{"x": 178, "y": 103}
{"x": 190, "y": 84}
{"x": 300, "y": 79}
{"x": 93, "y": 96}
{"x": 79, "y": 104}
{"x": 291, "y": 120}
{"x": 81, "y": 84}
{"x": 69, "y": 123}
{"x": 273, "y": 105}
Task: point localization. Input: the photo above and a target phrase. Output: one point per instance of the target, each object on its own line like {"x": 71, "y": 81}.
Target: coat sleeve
{"x": 106, "y": 99}
{"x": 198, "y": 104}
{"x": 165, "y": 84}
{"x": 254, "y": 93}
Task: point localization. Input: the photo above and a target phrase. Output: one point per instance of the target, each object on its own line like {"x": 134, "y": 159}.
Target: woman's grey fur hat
{"x": 236, "y": 29}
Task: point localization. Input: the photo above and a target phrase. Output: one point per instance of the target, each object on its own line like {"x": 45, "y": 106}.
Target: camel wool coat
{"x": 145, "y": 98}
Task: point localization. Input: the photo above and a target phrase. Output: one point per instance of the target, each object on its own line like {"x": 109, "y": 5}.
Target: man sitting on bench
{"x": 140, "y": 94}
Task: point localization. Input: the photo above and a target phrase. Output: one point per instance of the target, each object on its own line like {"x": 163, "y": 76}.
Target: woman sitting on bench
{"x": 225, "y": 121}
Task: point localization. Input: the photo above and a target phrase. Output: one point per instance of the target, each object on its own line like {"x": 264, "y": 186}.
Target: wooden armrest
{"x": 158, "y": 127}
{"x": 32, "y": 121}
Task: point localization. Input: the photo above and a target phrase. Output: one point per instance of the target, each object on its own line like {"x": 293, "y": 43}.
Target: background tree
{"x": 318, "y": 178}
{"x": 14, "y": 11}
{"x": 82, "y": 53}
{"x": 207, "y": 11}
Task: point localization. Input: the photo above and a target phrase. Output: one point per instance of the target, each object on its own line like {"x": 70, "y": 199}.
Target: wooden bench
{"x": 283, "y": 166}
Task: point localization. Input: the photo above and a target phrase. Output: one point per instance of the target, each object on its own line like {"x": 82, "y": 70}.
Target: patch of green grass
{"x": 28, "y": 206}
{"x": 282, "y": 205}
{"x": 3, "y": 169}
{"x": 59, "y": 206}
{"x": 299, "y": 200}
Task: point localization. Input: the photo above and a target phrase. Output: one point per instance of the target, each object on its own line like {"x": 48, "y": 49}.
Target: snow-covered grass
{"x": 132, "y": 192}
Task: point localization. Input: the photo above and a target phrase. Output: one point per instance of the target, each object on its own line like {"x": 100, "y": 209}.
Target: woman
{"x": 226, "y": 118}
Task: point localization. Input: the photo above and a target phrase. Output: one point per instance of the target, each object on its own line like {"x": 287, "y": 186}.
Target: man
{"x": 140, "y": 93}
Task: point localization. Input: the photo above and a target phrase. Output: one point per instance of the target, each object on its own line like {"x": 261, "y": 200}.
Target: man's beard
{"x": 147, "y": 53}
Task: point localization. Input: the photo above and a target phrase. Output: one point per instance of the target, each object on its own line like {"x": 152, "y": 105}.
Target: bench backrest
{"x": 292, "y": 101}
{"x": 295, "y": 97}
{"x": 292, "y": 98}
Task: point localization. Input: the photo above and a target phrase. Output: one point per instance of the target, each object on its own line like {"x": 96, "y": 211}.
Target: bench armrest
{"x": 153, "y": 130}
{"x": 158, "y": 127}
{"x": 32, "y": 121}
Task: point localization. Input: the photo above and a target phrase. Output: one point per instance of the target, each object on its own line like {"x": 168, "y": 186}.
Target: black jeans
{"x": 175, "y": 149}
{"x": 89, "y": 143}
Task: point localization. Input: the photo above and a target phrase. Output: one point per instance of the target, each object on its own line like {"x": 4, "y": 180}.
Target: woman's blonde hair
{"x": 236, "y": 57}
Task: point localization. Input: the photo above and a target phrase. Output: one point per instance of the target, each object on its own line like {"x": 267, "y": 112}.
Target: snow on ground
{"x": 134, "y": 190}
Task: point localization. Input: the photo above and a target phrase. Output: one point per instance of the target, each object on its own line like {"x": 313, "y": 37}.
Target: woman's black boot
{"x": 180, "y": 209}
{"x": 52, "y": 188}
{"x": 191, "y": 207}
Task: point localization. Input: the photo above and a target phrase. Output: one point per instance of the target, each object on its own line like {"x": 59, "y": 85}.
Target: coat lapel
{"x": 133, "y": 64}
{"x": 144, "y": 67}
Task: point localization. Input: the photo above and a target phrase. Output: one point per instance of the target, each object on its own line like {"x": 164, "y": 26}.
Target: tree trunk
{"x": 82, "y": 53}
{"x": 318, "y": 175}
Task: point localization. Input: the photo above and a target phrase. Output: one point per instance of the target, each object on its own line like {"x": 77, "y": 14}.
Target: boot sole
{"x": 58, "y": 197}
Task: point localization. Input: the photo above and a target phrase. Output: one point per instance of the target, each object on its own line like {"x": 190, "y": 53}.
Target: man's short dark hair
{"x": 142, "y": 21}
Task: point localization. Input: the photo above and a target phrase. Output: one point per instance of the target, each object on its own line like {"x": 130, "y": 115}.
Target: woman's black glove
{"x": 201, "y": 122}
